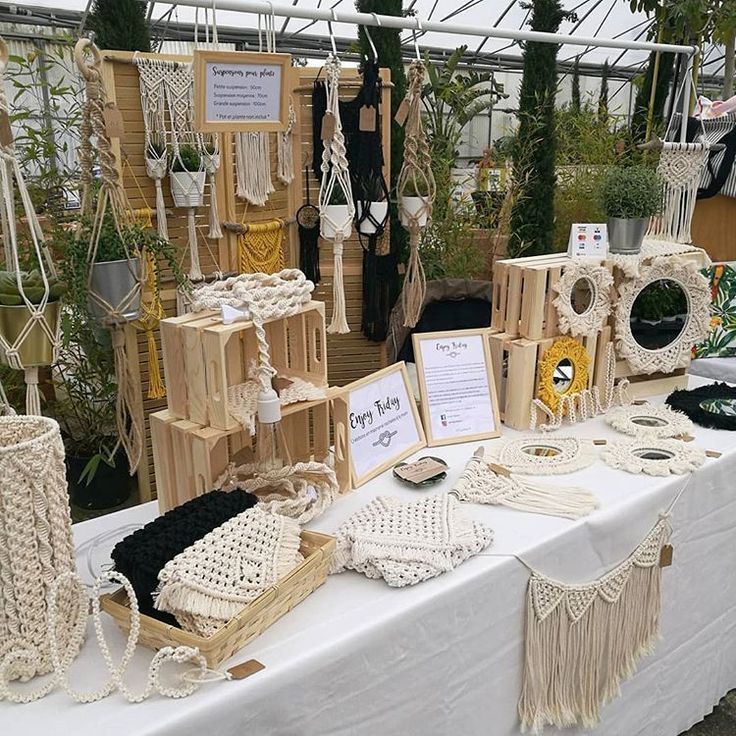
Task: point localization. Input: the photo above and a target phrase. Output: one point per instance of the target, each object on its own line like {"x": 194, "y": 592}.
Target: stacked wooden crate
{"x": 195, "y": 437}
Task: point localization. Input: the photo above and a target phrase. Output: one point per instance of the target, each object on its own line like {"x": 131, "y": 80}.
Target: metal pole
{"x": 412, "y": 23}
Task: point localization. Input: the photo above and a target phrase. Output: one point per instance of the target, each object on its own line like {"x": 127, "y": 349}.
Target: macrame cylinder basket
{"x": 187, "y": 188}
{"x": 411, "y": 208}
{"x": 35, "y": 541}
{"x": 117, "y": 284}
{"x": 36, "y": 348}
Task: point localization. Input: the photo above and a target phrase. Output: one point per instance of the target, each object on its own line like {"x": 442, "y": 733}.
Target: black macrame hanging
{"x": 307, "y": 220}
{"x": 362, "y": 129}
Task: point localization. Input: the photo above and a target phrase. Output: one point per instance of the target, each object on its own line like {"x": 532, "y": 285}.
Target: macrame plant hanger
{"x": 285, "y": 148}
{"x": 415, "y": 179}
{"x": 335, "y": 181}
{"x": 112, "y": 196}
{"x": 307, "y": 220}
{"x": 42, "y": 322}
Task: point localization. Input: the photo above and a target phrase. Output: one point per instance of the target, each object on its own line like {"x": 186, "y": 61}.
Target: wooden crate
{"x": 252, "y": 621}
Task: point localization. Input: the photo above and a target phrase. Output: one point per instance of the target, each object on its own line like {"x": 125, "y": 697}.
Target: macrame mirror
{"x": 563, "y": 370}
{"x": 649, "y": 420}
{"x": 548, "y": 455}
{"x": 583, "y": 300}
{"x": 654, "y": 456}
{"x": 713, "y": 405}
{"x": 661, "y": 315}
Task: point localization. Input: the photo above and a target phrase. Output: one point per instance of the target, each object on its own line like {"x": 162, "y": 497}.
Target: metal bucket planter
{"x": 36, "y": 348}
{"x": 118, "y": 283}
{"x": 625, "y": 235}
{"x": 187, "y": 188}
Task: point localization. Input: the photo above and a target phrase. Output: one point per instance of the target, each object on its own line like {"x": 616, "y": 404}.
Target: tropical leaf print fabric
{"x": 721, "y": 340}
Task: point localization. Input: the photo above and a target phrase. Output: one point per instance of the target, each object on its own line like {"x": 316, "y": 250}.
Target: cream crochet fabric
{"x": 637, "y": 456}
{"x": 649, "y": 420}
{"x": 215, "y": 578}
{"x": 35, "y": 540}
{"x": 406, "y": 543}
{"x": 564, "y": 455}
{"x": 652, "y": 248}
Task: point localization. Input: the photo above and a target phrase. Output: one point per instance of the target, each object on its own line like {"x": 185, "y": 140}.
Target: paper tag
{"x": 500, "y": 470}
{"x": 401, "y": 269}
{"x": 328, "y": 127}
{"x": 6, "y": 134}
{"x": 665, "y": 556}
{"x": 114, "y": 126}
{"x": 402, "y": 113}
{"x": 421, "y": 470}
{"x": 712, "y": 453}
{"x": 246, "y": 669}
{"x": 588, "y": 240}
{"x": 367, "y": 119}
{"x": 600, "y": 442}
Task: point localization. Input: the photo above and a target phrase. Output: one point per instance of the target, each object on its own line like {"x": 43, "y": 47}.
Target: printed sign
{"x": 240, "y": 91}
{"x": 382, "y": 422}
{"x": 588, "y": 240}
{"x": 456, "y": 386}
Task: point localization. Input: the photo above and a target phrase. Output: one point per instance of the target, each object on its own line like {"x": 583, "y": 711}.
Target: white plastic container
{"x": 411, "y": 207}
{"x": 187, "y": 188}
{"x": 378, "y": 211}
{"x": 336, "y": 217}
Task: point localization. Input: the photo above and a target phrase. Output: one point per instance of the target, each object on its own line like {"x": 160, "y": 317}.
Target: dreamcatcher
{"x": 307, "y": 220}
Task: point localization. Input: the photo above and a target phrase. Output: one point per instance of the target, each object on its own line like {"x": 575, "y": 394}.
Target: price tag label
{"x": 328, "y": 127}
{"x": 114, "y": 126}
{"x": 367, "y": 119}
{"x": 402, "y": 113}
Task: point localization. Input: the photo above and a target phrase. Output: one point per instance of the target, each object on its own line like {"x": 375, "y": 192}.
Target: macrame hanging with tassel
{"x": 211, "y": 162}
{"x": 336, "y": 207}
{"x": 30, "y": 332}
{"x": 260, "y": 247}
{"x": 307, "y": 221}
{"x": 285, "y": 149}
{"x": 583, "y": 640}
{"x": 416, "y": 185}
{"x": 113, "y": 202}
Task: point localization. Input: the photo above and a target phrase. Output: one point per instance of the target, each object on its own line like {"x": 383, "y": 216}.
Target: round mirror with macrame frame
{"x": 563, "y": 370}
{"x": 534, "y": 455}
{"x": 654, "y": 456}
{"x": 649, "y": 420}
{"x": 583, "y": 300}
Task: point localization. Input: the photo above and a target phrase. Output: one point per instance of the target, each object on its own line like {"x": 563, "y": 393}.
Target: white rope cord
{"x": 253, "y": 167}
{"x": 285, "y": 149}
{"x": 335, "y": 181}
{"x": 12, "y": 181}
{"x": 211, "y": 159}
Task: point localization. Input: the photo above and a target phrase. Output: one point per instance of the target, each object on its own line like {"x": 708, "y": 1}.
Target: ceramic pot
{"x": 336, "y": 216}
{"x": 187, "y": 188}
{"x": 625, "y": 234}
{"x": 36, "y": 348}
{"x": 378, "y": 211}
{"x": 118, "y": 283}
{"x": 413, "y": 207}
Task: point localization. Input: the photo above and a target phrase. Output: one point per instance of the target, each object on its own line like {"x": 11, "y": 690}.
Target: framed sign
{"x": 240, "y": 91}
{"x": 382, "y": 422}
{"x": 456, "y": 386}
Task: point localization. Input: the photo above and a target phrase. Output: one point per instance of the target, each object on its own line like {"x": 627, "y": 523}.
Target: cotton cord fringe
{"x": 582, "y": 641}
{"x": 253, "y": 167}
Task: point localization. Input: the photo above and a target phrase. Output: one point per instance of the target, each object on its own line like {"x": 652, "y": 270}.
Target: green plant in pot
{"x": 413, "y": 202}
{"x": 372, "y": 197}
{"x": 187, "y": 177}
{"x": 630, "y": 197}
{"x": 17, "y": 289}
{"x": 336, "y": 216}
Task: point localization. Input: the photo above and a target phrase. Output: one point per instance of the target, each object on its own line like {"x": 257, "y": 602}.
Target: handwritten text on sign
{"x": 245, "y": 92}
{"x": 382, "y": 422}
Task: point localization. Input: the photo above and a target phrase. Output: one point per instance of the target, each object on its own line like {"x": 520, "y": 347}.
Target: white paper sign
{"x": 382, "y": 423}
{"x": 242, "y": 92}
{"x": 588, "y": 239}
{"x": 458, "y": 400}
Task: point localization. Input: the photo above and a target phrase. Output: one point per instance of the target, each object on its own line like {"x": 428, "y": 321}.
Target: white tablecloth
{"x": 444, "y": 658}
{"x": 719, "y": 369}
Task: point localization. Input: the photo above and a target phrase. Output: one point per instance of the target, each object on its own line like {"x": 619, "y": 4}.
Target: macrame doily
{"x": 653, "y": 456}
{"x": 546, "y": 455}
{"x": 406, "y": 543}
{"x": 479, "y": 483}
{"x": 649, "y": 420}
{"x": 583, "y": 640}
{"x": 712, "y": 405}
{"x": 599, "y": 281}
{"x": 214, "y": 579}
{"x": 697, "y": 322}
{"x": 564, "y": 348}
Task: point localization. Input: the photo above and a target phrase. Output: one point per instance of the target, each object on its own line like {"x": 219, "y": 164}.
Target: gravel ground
{"x": 721, "y": 722}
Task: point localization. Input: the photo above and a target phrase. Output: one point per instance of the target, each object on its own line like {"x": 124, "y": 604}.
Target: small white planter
{"x": 378, "y": 211}
{"x": 413, "y": 207}
{"x": 187, "y": 188}
{"x": 336, "y": 217}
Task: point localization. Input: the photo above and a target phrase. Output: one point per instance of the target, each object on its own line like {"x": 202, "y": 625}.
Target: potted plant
{"x": 413, "y": 203}
{"x": 630, "y": 196}
{"x": 336, "y": 215}
{"x": 156, "y": 159}
{"x": 36, "y": 348}
{"x": 372, "y": 200}
{"x": 187, "y": 177}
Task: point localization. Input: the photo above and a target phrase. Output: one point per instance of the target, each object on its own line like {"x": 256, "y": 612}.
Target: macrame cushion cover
{"x": 720, "y": 342}
{"x": 35, "y": 539}
{"x": 712, "y": 405}
{"x": 142, "y": 554}
{"x": 407, "y": 543}
{"x": 214, "y": 579}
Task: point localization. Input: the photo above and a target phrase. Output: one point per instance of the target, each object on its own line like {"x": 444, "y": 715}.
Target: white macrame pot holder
{"x": 589, "y": 322}
{"x": 572, "y": 454}
{"x": 649, "y": 420}
{"x": 682, "y": 457}
{"x": 677, "y": 353}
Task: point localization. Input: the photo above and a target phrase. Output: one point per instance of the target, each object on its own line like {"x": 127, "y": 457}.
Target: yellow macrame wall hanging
{"x": 563, "y": 370}
{"x": 260, "y": 247}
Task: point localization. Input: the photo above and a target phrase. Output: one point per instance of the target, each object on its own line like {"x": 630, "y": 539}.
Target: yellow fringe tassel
{"x": 156, "y": 386}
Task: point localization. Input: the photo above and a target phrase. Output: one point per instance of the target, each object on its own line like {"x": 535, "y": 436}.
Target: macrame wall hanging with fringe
{"x": 712, "y": 406}
{"x": 336, "y": 207}
{"x": 583, "y": 640}
{"x": 307, "y": 220}
{"x": 416, "y": 181}
{"x": 29, "y": 336}
{"x": 487, "y": 483}
{"x": 111, "y": 200}
{"x": 260, "y": 247}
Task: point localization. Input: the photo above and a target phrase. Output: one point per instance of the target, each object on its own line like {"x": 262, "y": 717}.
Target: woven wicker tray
{"x": 253, "y": 620}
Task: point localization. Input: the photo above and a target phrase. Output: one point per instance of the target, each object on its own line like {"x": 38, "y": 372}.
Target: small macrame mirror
{"x": 583, "y": 300}
{"x": 545, "y": 456}
{"x": 661, "y": 315}
{"x": 654, "y": 456}
{"x": 649, "y": 420}
{"x": 563, "y": 370}
{"x": 713, "y": 405}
